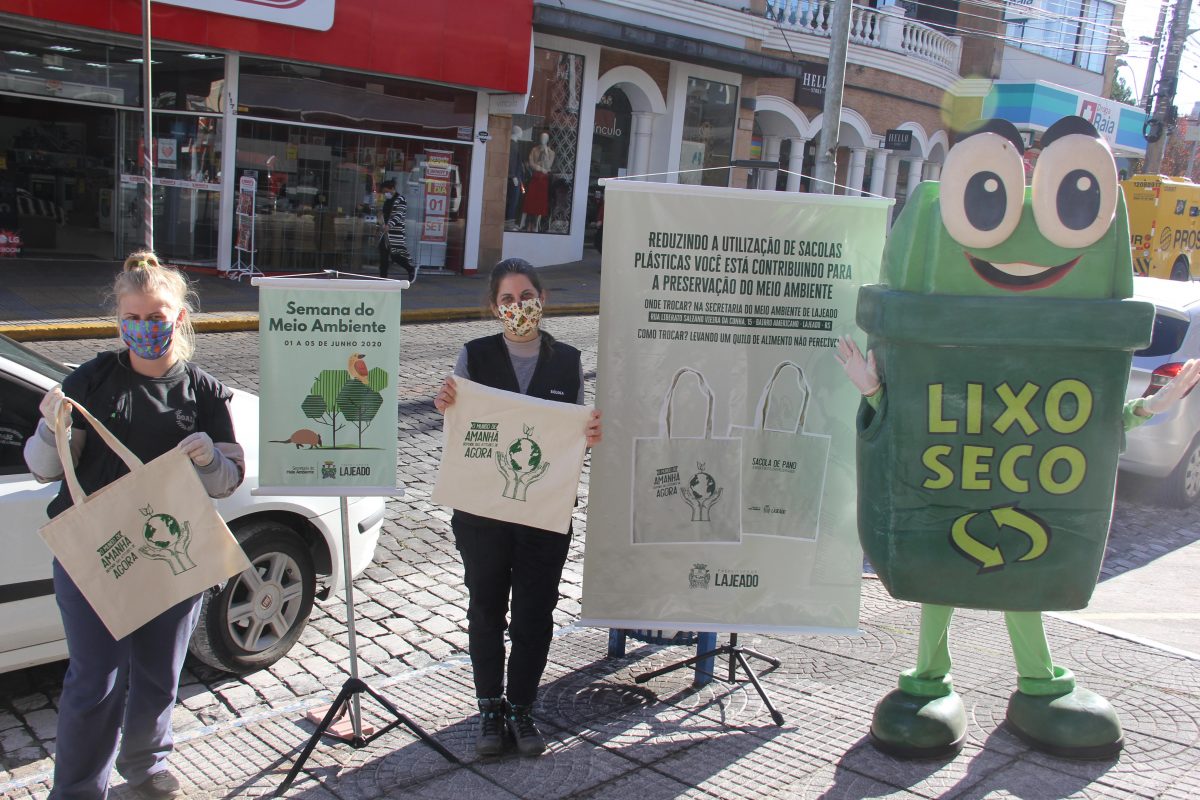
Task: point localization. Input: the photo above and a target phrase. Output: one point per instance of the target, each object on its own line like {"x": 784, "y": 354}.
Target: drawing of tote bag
{"x": 145, "y": 542}
{"x": 783, "y": 472}
{"x": 686, "y": 489}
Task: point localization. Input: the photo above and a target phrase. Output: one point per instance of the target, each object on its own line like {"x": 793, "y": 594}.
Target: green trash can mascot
{"x": 1000, "y": 340}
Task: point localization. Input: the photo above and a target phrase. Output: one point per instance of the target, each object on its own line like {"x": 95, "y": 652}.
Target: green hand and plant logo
{"x": 701, "y": 494}
{"x": 521, "y": 464}
{"x": 340, "y": 399}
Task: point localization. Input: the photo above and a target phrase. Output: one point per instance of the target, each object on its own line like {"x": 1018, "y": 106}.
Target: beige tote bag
{"x": 687, "y": 489}
{"x": 783, "y": 472}
{"x": 147, "y": 541}
{"x": 511, "y": 457}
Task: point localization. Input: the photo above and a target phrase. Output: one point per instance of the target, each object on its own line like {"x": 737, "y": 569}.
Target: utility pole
{"x": 1164, "y": 109}
{"x": 1148, "y": 86}
{"x": 835, "y": 82}
{"x": 147, "y": 133}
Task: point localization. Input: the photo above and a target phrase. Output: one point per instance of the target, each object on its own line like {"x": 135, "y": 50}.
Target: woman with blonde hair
{"x": 118, "y": 695}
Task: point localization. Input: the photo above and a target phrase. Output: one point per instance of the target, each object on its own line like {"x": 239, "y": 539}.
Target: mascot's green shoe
{"x": 1078, "y": 724}
{"x": 911, "y": 726}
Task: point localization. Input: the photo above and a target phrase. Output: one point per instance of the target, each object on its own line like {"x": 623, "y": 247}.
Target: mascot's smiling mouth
{"x": 1020, "y": 276}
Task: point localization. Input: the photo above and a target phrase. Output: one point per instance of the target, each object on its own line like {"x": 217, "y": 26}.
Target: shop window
{"x": 317, "y": 203}
{"x": 186, "y": 153}
{"x": 549, "y": 143}
{"x": 320, "y": 96}
{"x": 708, "y": 123}
{"x": 79, "y": 69}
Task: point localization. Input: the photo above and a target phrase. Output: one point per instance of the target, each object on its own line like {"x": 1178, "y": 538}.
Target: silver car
{"x": 1167, "y": 448}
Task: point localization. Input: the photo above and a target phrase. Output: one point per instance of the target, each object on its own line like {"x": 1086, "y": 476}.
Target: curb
{"x": 233, "y": 323}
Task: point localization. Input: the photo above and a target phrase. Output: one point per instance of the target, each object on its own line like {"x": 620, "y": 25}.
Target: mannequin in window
{"x": 537, "y": 191}
{"x": 516, "y": 180}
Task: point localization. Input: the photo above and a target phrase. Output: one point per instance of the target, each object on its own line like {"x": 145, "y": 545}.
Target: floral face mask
{"x": 147, "y": 338}
{"x": 521, "y": 318}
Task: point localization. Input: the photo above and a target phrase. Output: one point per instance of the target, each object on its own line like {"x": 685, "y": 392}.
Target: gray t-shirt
{"x": 524, "y": 357}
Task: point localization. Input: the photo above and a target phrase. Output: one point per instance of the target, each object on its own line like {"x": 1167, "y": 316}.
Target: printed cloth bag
{"x": 686, "y": 489}
{"x": 511, "y": 457}
{"x": 147, "y": 541}
{"x": 783, "y": 472}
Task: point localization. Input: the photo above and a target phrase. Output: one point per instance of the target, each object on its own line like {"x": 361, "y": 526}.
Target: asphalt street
{"x": 712, "y": 743}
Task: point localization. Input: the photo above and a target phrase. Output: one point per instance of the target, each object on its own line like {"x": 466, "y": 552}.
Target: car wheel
{"x": 1179, "y": 271}
{"x": 1183, "y": 484}
{"x": 253, "y": 621}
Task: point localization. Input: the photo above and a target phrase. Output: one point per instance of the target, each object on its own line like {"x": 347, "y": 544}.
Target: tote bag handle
{"x": 61, "y": 433}
{"x": 764, "y": 402}
{"x": 664, "y": 422}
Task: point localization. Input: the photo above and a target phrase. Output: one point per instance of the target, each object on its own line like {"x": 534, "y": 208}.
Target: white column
{"x": 933, "y": 170}
{"x": 891, "y": 173}
{"x": 915, "y": 165}
{"x": 795, "y": 163}
{"x": 858, "y": 167}
{"x": 879, "y": 166}
{"x": 767, "y": 177}
{"x": 641, "y": 127}
{"x": 229, "y": 177}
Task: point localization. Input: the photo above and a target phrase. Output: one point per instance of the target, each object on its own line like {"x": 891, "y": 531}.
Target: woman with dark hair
{"x": 502, "y": 558}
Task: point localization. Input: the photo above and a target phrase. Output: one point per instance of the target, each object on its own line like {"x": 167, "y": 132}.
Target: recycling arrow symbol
{"x": 989, "y": 557}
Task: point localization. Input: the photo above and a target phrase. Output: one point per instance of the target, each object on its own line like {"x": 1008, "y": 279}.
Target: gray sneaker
{"x": 520, "y": 724}
{"x": 489, "y": 737}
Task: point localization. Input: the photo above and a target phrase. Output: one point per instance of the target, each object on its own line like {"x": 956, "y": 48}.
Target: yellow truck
{"x": 1164, "y": 226}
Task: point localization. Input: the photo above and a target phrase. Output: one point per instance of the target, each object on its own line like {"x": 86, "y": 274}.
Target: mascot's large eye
{"x": 982, "y": 190}
{"x": 1075, "y": 190}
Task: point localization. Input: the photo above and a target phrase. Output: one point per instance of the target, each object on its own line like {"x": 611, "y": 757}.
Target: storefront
{"x": 1033, "y": 107}
{"x": 311, "y": 122}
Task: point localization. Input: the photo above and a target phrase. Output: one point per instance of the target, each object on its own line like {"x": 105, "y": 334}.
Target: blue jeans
{"x": 113, "y": 687}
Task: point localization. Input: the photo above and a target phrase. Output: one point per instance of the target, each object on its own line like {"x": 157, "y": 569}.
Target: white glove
{"x": 861, "y": 371}
{"x": 1174, "y": 391}
{"x": 53, "y": 405}
{"x": 199, "y": 448}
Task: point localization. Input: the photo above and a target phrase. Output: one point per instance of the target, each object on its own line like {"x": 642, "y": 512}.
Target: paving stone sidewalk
{"x": 611, "y": 736}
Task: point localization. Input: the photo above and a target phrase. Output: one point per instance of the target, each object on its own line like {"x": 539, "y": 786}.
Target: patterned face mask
{"x": 521, "y": 318}
{"x": 149, "y": 339}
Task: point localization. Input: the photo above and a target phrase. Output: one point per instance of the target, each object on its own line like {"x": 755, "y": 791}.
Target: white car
{"x": 1167, "y": 446}
{"x": 293, "y": 543}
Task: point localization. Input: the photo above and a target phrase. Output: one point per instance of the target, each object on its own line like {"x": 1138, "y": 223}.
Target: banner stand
{"x": 737, "y": 655}
{"x": 347, "y": 699}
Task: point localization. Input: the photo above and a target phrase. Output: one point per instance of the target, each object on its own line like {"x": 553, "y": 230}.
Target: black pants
{"x": 500, "y": 559}
{"x": 385, "y": 256}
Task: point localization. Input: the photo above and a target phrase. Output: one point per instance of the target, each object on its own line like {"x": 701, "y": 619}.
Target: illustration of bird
{"x": 358, "y": 368}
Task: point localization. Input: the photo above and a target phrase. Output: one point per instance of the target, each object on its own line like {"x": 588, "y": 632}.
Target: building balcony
{"x": 884, "y": 29}
{"x": 793, "y": 29}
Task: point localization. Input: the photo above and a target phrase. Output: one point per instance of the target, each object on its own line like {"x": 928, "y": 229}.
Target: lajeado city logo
{"x": 701, "y": 577}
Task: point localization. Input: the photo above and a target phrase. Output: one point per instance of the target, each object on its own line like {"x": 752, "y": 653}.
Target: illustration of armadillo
{"x": 301, "y": 438}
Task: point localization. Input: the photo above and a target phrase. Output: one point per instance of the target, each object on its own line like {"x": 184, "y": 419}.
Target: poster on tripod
{"x": 329, "y": 350}
{"x": 723, "y": 495}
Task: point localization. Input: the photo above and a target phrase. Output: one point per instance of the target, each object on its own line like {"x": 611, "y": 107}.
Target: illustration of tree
{"x": 359, "y": 404}
{"x": 321, "y": 405}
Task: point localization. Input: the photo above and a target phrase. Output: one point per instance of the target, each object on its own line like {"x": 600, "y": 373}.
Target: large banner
{"x": 723, "y": 495}
{"x": 329, "y": 351}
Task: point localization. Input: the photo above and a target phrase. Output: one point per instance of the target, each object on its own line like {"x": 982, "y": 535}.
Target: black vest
{"x": 556, "y": 377}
